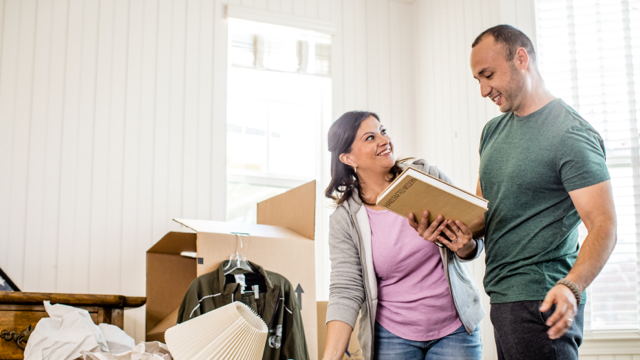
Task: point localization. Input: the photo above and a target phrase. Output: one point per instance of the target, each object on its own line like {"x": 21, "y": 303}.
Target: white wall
{"x": 112, "y": 122}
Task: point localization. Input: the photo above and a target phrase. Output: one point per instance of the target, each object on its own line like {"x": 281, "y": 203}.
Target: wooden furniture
{"x": 21, "y": 311}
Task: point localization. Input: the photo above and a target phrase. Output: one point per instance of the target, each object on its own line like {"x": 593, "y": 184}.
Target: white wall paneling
{"x": 278, "y": 18}
{"x": 399, "y": 85}
{"x": 6, "y": 137}
{"x": 113, "y": 122}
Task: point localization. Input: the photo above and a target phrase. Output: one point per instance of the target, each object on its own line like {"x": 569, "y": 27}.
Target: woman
{"x": 415, "y": 299}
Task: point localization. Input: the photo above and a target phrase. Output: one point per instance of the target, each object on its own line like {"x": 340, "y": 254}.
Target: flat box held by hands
{"x": 414, "y": 191}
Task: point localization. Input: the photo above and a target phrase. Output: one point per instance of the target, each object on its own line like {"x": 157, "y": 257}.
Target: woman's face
{"x": 372, "y": 149}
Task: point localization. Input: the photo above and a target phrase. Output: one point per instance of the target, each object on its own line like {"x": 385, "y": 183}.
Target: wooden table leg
{"x": 117, "y": 317}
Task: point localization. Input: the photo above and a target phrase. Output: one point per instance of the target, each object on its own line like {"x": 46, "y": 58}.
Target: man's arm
{"x": 597, "y": 211}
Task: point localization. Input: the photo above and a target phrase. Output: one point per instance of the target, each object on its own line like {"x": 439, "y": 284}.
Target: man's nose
{"x": 485, "y": 90}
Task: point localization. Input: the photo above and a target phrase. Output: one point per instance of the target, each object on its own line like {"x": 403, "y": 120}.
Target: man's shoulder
{"x": 493, "y": 124}
{"x": 569, "y": 119}
{"x": 498, "y": 121}
{"x": 567, "y": 112}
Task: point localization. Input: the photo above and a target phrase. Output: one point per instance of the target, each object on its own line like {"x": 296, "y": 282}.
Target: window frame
{"x": 323, "y": 176}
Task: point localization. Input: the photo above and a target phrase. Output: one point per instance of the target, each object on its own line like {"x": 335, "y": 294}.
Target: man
{"x": 542, "y": 168}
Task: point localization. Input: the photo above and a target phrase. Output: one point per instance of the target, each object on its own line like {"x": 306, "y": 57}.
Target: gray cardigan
{"x": 354, "y": 288}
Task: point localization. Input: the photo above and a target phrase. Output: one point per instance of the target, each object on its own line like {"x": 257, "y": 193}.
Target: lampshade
{"x": 233, "y": 331}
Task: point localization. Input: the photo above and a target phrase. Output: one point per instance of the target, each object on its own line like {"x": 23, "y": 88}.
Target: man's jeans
{"x": 521, "y": 333}
{"x": 456, "y": 346}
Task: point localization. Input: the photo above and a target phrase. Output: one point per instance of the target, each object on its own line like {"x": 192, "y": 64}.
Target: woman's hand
{"x": 459, "y": 238}
{"x": 429, "y": 232}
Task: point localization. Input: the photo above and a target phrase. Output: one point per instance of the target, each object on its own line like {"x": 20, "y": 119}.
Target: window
{"x": 278, "y": 105}
{"x": 589, "y": 55}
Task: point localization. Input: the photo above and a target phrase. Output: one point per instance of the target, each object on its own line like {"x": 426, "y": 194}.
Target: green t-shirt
{"x": 527, "y": 167}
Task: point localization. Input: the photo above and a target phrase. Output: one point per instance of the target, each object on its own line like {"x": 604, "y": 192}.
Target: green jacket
{"x": 277, "y": 305}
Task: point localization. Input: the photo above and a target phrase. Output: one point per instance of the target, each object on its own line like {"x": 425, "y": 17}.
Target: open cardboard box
{"x": 282, "y": 242}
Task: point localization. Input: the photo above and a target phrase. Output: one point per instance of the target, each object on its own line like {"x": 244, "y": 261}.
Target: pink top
{"x": 414, "y": 300}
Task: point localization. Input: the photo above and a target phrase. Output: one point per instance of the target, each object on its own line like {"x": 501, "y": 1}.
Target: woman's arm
{"x": 338, "y": 334}
{"x": 477, "y": 229}
{"x": 346, "y": 289}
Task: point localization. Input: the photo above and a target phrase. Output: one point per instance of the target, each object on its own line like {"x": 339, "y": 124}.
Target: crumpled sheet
{"x": 69, "y": 331}
{"x": 117, "y": 340}
{"x": 144, "y": 351}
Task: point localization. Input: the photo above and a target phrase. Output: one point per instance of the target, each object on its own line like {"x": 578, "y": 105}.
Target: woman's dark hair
{"x": 344, "y": 180}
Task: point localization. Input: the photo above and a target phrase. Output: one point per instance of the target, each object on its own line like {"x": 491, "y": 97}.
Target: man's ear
{"x": 521, "y": 59}
{"x": 347, "y": 159}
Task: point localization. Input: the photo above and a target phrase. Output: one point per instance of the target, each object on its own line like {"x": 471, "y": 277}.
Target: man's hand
{"x": 566, "y": 309}
{"x": 595, "y": 207}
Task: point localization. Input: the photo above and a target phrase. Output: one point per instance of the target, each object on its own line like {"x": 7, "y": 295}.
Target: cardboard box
{"x": 353, "y": 349}
{"x": 282, "y": 242}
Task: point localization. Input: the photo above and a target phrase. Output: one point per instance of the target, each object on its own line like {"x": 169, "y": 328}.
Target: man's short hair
{"x": 511, "y": 38}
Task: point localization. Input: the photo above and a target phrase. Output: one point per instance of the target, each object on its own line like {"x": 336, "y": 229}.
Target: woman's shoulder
{"x": 424, "y": 166}
{"x": 340, "y": 210}
{"x": 419, "y": 164}
{"x": 340, "y": 214}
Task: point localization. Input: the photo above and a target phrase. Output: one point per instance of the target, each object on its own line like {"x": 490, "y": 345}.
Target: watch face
{"x": 6, "y": 284}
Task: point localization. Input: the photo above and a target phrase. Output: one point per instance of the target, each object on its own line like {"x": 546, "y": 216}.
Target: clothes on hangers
{"x": 276, "y": 303}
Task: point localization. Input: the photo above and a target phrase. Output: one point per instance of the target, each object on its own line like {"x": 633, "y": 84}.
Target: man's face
{"x": 500, "y": 80}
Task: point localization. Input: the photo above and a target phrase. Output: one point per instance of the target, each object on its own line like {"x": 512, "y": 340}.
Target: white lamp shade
{"x": 233, "y": 331}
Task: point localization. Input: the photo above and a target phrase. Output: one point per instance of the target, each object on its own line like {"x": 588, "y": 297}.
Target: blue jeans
{"x": 456, "y": 346}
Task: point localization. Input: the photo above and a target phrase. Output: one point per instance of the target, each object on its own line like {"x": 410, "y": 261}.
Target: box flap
{"x": 168, "y": 278}
{"x": 294, "y": 210}
{"x": 322, "y": 327}
{"x": 221, "y": 227}
{"x": 158, "y": 331}
{"x": 174, "y": 243}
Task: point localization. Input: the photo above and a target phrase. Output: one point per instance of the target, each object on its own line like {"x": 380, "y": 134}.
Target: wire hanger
{"x": 237, "y": 261}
